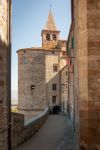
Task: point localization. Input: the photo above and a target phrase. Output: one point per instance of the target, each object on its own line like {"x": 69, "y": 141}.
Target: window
{"x": 54, "y": 37}
{"x": 72, "y": 42}
{"x": 32, "y": 87}
{"x": 64, "y": 53}
{"x": 54, "y": 99}
{"x": 55, "y": 67}
{"x": 48, "y": 37}
{"x": 25, "y": 60}
{"x": 53, "y": 52}
{"x": 54, "y": 86}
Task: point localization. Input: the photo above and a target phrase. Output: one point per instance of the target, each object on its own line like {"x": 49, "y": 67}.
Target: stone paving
{"x": 56, "y": 134}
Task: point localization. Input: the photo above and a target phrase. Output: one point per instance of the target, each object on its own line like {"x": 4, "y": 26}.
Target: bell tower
{"x": 50, "y": 34}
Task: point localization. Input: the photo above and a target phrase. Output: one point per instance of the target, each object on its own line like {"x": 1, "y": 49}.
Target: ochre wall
{"x": 93, "y": 25}
{"x": 87, "y": 74}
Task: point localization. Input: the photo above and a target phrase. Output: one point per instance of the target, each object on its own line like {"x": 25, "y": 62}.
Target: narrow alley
{"x": 55, "y": 134}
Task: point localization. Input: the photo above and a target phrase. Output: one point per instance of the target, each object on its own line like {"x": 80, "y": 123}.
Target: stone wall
{"x": 63, "y": 53}
{"x": 87, "y": 35}
{"x": 93, "y": 25}
{"x": 71, "y": 94}
{"x": 31, "y": 82}
{"x": 4, "y": 73}
{"x": 64, "y": 88}
{"x": 17, "y": 128}
{"x": 23, "y": 130}
{"x": 62, "y": 45}
{"x": 81, "y": 71}
{"x": 52, "y": 77}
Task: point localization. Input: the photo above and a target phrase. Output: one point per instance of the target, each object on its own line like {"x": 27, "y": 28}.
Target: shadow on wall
{"x": 4, "y": 94}
{"x": 43, "y": 81}
{"x": 53, "y": 95}
{"x": 36, "y": 80}
{"x": 54, "y": 91}
{"x": 22, "y": 130}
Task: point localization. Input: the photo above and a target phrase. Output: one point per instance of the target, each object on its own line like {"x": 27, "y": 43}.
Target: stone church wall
{"x": 31, "y": 87}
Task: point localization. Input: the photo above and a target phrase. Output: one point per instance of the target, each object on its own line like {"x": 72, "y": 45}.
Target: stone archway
{"x": 56, "y": 109}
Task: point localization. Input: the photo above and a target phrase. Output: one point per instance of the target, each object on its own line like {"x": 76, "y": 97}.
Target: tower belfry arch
{"x": 50, "y": 6}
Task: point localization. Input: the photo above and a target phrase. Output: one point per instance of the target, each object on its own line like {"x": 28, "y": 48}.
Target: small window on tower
{"x": 54, "y": 99}
{"x": 55, "y": 67}
{"x": 53, "y": 52}
{"x": 64, "y": 53}
{"x": 48, "y": 37}
{"x": 54, "y": 37}
{"x": 54, "y": 87}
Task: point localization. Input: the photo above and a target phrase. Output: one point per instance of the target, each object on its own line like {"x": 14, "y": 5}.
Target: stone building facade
{"x": 64, "y": 88}
{"x": 86, "y": 21}
{"x": 70, "y": 51}
{"x": 5, "y": 99}
{"x": 39, "y": 70}
{"x": 31, "y": 75}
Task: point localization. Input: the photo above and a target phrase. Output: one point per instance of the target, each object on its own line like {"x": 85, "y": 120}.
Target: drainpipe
{"x": 9, "y": 77}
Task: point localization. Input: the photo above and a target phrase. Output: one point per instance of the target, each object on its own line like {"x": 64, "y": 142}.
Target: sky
{"x": 29, "y": 17}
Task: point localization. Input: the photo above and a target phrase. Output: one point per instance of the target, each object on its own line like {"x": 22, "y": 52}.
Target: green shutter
{"x": 72, "y": 43}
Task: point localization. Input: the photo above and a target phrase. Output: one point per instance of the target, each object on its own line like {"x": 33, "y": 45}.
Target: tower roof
{"x": 50, "y": 25}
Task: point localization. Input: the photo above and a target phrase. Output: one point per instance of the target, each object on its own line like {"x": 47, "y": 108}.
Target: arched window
{"x": 54, "y": 37}
{"x": 48, "y": 37}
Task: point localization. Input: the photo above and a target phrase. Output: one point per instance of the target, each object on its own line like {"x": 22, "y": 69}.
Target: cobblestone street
{"x": 55, "y": 134}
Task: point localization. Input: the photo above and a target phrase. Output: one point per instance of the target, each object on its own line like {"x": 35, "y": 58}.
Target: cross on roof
{"x": 50, "y": 6}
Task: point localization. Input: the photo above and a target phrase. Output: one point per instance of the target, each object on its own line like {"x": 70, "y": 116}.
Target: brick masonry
{"x": 93, "y": 25}
{"x": 87, "y": 74}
